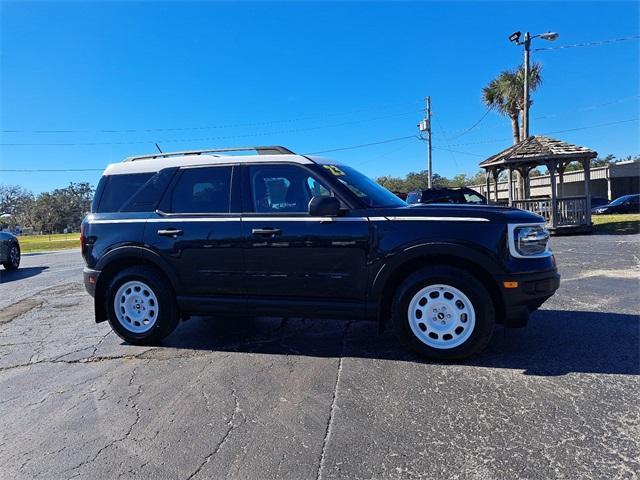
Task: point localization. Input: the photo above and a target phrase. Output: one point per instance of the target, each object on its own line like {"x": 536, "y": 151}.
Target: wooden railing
{"x": 541, "y": 207}
{"x": 569, "y": 210}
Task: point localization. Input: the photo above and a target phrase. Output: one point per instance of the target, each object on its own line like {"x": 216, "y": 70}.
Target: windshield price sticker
{"x": 335, "y": 170}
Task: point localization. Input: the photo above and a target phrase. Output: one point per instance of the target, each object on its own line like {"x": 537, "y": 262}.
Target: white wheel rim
{"x": 136, "y": 306}
{"x": 441, "y": 316}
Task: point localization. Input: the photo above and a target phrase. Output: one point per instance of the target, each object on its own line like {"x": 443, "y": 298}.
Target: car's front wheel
{"x": 443, "y": 313}
{"x": 142, "y": 309}
{"x": 13, "y": 257}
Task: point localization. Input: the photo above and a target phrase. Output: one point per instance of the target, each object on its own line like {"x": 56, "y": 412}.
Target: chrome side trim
{"x": 434, "y": 219}
{"x": 304, "y": 219}
{"x": 230, "y": 219}
{"x": 167, "y": 220}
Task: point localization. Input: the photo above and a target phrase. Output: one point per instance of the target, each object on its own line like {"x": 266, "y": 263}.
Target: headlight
{"x": 528, "y": 240}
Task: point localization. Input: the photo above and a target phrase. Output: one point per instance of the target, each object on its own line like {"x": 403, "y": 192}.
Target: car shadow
{"x": 630, "y": 227}
{"x": 555, "y": 342}
{"x": 7, "y": 276}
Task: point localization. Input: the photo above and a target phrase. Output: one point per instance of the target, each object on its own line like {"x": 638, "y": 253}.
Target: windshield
{"x": 621, "y": 200}
{"x": 372, "y": 194}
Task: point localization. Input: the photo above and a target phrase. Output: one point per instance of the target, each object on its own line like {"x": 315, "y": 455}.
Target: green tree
{"x": 505, "y": 93}
{"x": 56, "y": 210}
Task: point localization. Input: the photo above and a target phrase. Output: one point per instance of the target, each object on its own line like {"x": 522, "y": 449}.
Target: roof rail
{"x": 266, "y": 150}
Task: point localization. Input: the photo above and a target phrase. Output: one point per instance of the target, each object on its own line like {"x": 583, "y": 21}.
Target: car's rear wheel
{"x": 443, "y": 313}
{"x": 13, "y": 257}
{"x": 142, "y": 308}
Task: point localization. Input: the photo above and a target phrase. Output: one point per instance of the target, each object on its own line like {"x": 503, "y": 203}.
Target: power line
{"x": 226, "y": 137}
{"x": 549, "y": 115}
{"x": 594, "y": 126}
{"x": 351, "y": 147}
{"x": 494, "y": 140}
{"x": 590, "y": 107}
{"x": 460, "y": 152}
{"x": 472, "y": 126}
{"x": 451, "y": 152}
{"x": 397, "y": 139}
{"x": 589, "y": 44}
{"x": 383, "y": 156}
{"x": 205, "y": 127}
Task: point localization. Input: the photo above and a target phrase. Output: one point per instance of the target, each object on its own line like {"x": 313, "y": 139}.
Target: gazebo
{"x": 561, "y": 213}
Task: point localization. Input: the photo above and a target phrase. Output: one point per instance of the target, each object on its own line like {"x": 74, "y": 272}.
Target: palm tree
{"x": 505, "y": 93}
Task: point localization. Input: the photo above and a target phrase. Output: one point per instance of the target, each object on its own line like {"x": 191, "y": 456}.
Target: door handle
{"x": 267, "y": 232}
{"x": 170, "y": 232}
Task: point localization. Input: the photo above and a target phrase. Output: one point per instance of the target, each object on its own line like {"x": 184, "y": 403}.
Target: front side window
{"x": 202, "y": 190}
{"x": 283, "y": 188}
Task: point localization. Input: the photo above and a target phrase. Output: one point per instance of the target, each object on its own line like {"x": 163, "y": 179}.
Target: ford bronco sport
{"x": 214, "y": 232}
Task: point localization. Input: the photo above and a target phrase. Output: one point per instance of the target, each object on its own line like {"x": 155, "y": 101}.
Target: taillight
{"x": 82, "y": 239}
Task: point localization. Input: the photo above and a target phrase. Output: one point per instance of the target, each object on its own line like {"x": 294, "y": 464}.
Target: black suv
{"x": 446, "y": 195}
{"x": 213, "y": 232}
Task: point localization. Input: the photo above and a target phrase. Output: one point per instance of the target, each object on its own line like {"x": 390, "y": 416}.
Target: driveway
{"x": 298, "y": 399}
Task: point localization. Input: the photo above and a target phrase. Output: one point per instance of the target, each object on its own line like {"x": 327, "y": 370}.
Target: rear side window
{"x": 202, "y": 190}
{"x": 118, "y": 189}
{"x": 146, "y": 199}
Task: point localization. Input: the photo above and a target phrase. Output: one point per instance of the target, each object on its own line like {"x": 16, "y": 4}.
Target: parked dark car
{"x": 624, "y": 204}
{"x": 9, "y": 251}
{"x": 178, "y": 234}
{"x": 446, "y": 195}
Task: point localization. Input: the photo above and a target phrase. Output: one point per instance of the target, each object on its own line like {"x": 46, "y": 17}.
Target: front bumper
{"x": 532, "y": 290}
{"x": 90, "y": 280}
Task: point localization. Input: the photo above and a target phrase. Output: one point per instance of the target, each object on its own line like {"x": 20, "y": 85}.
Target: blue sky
{"x": 311, "y": 76}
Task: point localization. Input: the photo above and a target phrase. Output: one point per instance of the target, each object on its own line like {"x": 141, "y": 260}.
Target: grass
{"x": 619, "y": 224}
{"x": 43, "y": 243}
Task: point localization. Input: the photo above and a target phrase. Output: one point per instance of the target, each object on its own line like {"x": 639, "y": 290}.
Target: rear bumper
{"x": 532, "y": 291}
{"x": 90, "y": 280}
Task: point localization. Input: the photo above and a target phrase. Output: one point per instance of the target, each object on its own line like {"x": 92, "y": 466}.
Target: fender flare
{"x": 142, "y": 253}
{"x": 467, "y": 252}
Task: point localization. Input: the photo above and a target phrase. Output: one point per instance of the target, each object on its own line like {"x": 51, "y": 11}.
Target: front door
{"x": 290, "y": 254}
{"x": 198, "y": 233}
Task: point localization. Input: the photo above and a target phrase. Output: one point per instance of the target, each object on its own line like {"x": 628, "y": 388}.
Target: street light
{"x": 515, "y": 38}
{"x": 551, "y": 36}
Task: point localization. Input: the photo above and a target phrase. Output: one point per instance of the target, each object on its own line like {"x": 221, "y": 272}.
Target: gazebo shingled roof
{"x": 538, "y": 149}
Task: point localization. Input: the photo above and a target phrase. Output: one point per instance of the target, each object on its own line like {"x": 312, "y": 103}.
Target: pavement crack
{"x": 231, "y": 425}
{"x": 329, "y": 428}
{"x": 126, "y": 435}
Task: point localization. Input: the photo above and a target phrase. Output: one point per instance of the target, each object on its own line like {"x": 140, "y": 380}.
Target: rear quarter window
{"x": 116, "y": 190}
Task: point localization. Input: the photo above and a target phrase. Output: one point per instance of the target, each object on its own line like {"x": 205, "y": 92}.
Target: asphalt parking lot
{"x": 296, "y": 399}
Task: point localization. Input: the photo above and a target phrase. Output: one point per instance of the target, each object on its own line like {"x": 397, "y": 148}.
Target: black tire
{"x": 167, "y": 318}
{"x": 461, "y": 280}
{"x": 13, "y": 257}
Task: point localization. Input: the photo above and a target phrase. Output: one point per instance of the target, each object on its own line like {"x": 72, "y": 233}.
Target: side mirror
{"x": 324, "y": 206}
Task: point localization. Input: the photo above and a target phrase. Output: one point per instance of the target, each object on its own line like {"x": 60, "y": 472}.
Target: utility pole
{"x": 525, "y": 112}
{"x": 425, "y": 126}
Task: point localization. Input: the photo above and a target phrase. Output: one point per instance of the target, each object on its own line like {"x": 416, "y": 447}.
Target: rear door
{"x": 288, "y": 252}
{"x": 198, "y": 233}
